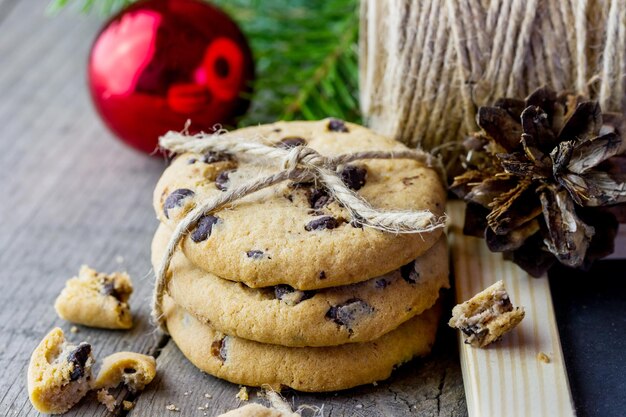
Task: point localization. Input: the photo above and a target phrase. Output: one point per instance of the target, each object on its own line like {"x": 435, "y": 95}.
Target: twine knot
{"x": 299, "y": 164}
{"x": 309, "y": 158}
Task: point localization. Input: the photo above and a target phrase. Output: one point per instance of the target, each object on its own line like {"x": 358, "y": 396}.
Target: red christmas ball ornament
{"x": 159, "y": 63}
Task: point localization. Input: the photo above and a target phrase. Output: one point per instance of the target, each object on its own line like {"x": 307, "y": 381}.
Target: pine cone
{"x": 537, "y": 174}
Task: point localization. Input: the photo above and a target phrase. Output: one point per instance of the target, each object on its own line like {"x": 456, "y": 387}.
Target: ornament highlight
{"x": 159, "y": 63}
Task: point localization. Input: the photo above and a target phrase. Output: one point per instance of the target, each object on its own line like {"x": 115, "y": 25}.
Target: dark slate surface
{"x": 591, "y": 315}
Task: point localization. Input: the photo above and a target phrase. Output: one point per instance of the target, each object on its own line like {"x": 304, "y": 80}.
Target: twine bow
{"x": 298, "y": 164}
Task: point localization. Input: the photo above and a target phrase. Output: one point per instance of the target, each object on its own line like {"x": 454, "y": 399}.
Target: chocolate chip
{"x": 291, "y": 142}
{"x": 301, "y": 184}
{"x": 175, "y": 199}
{"x": 277, "y": 130}
{"x": 218, "y": 348}
{"x": 505, "y": 303}
{"x": 107, "y": 287}
{"x": 336, "y": 125}
{"x": 409, "y": 180}
{"x": 281, "y": 290}
{"x": 326, "y": 222}
{"x": 381, "y": 283}
{"x": 204, "y": 228}
{"x": 212, "y": 157}
{"x": 129, "y": 370}
{"x": 78, "y": 357}
{"x": 255, "y": 254}
{"x": 319, "y": 198}
{"x": 475, "y": 333}
{"x": 356, "y": 224}
{"x": 353, "y": 176}
{"x": 322, "y": 275}
{"x": 221, "y": 182}
{"x": 409, "y": 274}
{"x": 290, "y": 295}
{"x": 347, "y": 313}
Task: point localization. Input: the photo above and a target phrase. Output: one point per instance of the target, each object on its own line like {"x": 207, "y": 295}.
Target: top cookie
{"x": 296, "y": 234}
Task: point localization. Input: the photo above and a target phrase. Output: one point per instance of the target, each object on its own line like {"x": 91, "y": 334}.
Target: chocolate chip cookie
{"x": 59, "y": 373}
{"x": 313, "y": 369}
{"x": 297, "y": 234}
{"x": 285, "y": 316}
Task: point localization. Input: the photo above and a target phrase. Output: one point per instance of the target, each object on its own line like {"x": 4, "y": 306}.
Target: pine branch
{"x": 305, "y": 54}
{"x": 332, "y": 91}
{"x": 105, "y": 7}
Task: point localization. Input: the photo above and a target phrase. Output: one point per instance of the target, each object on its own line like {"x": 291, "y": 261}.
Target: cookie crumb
{"x": 358, "y": 406}
{"x": 106, "y": 399}
{"x": 243, "y": 394}
{"x": 209, "y": 396}
{"x": 543, "y": 357}
{"x": 172, "y": 407}
{"x": 119, "y": 259}
{"x": 487, "y": 316}
{"x": 74, "y": 329}
{"x": 185, "y": 393}
{"x": 128, "y": 405}
{"x": 375, "y": 383}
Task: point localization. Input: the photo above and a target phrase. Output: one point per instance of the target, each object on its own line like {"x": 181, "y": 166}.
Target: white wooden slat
{"x": 507, "y": 378}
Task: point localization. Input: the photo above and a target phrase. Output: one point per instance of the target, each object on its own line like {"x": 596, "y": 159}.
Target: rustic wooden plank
{"x": 5, "y": 9}
{"x": 424, "y": 387}
{"x": 71, "y": 195}
{"x": 508, "y": 378}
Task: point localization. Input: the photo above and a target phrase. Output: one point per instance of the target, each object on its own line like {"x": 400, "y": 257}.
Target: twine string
{"x": 422, "y": 81}
{"x": 298, "y": 164}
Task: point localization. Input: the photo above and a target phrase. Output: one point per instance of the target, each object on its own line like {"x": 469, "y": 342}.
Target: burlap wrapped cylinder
{"x": 427, "y": 65}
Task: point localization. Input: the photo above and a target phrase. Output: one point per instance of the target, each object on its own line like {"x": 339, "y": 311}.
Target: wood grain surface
{"x": 71, "y": 194}
{"x": 508, "y": 379}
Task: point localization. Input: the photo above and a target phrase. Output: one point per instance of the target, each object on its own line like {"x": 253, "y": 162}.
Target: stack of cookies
{"x": 283, "y": 287}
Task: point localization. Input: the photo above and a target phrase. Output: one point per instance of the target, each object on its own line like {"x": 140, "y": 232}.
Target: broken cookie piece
{"x": 257, "y": 410}
{"x": 59, "y": 373}
{"x": 134, "y": 370}
{"x": 131, "y": 369}
{"x": 97, "y": 300}
{"x": 487, "y": 316}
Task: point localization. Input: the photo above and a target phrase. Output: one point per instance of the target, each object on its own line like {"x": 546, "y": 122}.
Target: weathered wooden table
{"x": 71, "y": 194}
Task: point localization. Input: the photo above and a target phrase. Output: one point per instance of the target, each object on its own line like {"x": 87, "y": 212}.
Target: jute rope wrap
{"x": 427, "y": 65}
{"x": 297, "y": 164}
